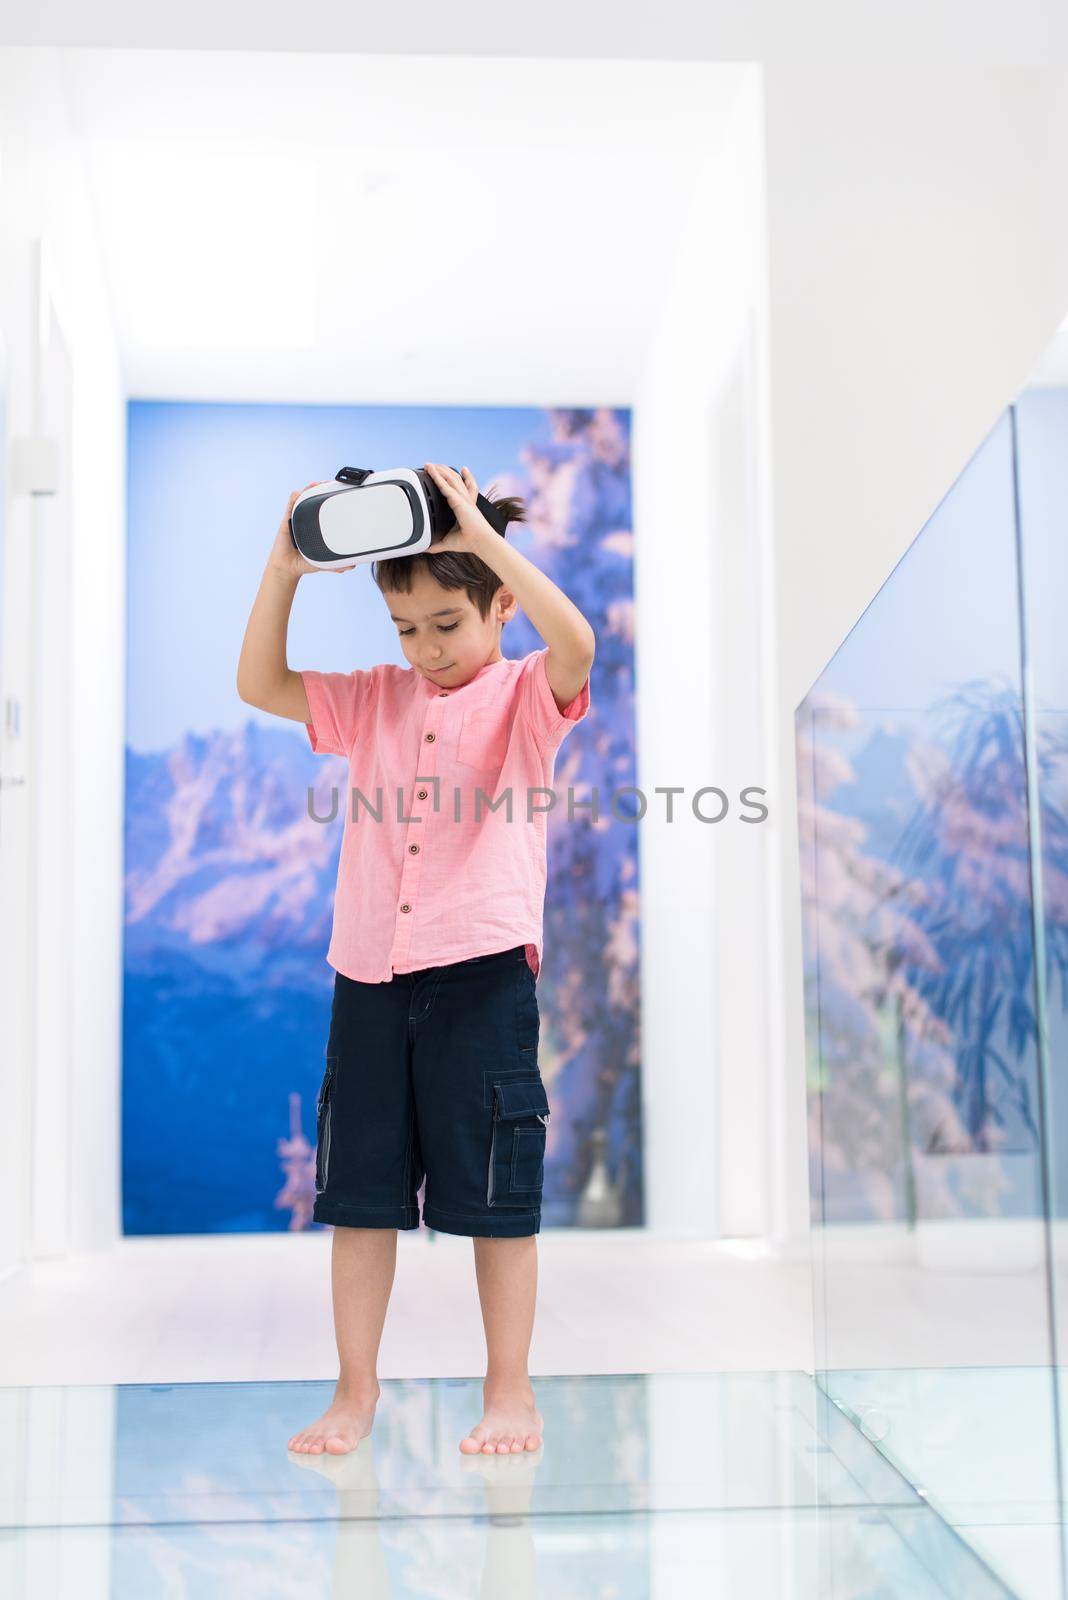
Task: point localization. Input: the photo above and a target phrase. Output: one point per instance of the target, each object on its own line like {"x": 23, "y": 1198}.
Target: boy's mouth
{"x": 433, "y": 670}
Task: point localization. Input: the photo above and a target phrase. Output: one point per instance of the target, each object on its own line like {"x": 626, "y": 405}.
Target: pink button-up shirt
{"x": 441, "y": 876}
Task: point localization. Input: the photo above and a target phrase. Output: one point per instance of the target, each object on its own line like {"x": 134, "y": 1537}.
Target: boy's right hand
{"x": 285, "y": 556}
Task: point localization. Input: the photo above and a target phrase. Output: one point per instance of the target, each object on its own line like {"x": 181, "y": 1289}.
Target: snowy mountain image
{"x": 229, "y": 881}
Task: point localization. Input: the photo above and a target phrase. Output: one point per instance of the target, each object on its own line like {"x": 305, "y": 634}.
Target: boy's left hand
{"x": 461, "y": 492}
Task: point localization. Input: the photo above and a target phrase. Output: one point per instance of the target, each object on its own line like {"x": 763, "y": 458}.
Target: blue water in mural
{"x": 229, "y": 883}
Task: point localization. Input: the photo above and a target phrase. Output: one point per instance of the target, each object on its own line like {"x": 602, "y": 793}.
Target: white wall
{"x": 918, "y": 265}
{"x": 60, "y": 1039}
{"x": 706, "y": 691}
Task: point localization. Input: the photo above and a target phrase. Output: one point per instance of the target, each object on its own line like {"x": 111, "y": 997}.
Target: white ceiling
{"x": 343, "y": 228}
{"x": 874, "y": 33}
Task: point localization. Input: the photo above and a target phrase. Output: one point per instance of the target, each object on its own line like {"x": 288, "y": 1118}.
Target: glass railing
{"x": 933, "y": 807}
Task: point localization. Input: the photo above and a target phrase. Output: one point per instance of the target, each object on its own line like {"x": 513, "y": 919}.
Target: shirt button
{"x": 414, "y": 849}
{"x": 406, "y": 906}
{"x": 442, "y": 693}
{"x": 430, "y": 738}
{"x": 422, "y": 794}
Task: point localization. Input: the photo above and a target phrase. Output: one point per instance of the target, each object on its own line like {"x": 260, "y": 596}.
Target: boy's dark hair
{"x": 453, "y": 569}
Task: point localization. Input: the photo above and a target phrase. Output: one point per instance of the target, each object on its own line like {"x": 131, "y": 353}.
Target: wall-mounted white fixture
{"x": 35, "y": 464}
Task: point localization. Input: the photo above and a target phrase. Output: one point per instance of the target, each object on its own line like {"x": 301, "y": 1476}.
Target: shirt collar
{"x": 430, "y": 687}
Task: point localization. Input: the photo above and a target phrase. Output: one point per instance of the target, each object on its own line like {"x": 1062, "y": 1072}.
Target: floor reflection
{"x": 983, "y": 1443}
{"x": 645, "y": 1486}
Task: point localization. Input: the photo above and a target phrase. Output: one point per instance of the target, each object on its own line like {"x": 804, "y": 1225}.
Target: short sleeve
{"x": 338, "y": 703}
{"x": 537, "y": 703}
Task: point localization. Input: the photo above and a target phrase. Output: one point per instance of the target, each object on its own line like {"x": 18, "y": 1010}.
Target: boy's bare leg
{"x": 507, "y": 1273}
{"x": 363, "y": 1262}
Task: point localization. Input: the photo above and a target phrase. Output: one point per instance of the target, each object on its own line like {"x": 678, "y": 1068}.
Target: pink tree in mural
{"x": 864, "y": 1015}
{"x": 920, "y": 973}
{"x": 970, "y": 837}
{"x": 297, "y": 1157}
{"x": 579, "y": 503}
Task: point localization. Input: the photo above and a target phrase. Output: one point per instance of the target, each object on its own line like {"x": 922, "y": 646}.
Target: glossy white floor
{"x": 257, "y": 1306}
{"x": 151, "y": 1390}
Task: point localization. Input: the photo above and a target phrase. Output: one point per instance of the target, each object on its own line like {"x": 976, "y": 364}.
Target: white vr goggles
{"x": 362, "y": 515}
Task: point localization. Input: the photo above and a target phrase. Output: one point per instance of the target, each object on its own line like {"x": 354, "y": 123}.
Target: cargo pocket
{"x": 323, "y": 1107}
{"x": 517, "y": 1148}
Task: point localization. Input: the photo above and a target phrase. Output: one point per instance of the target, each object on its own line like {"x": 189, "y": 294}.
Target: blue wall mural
{"x": 229, "y": 883}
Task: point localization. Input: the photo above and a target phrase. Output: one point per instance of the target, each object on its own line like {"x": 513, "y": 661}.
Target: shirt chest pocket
{"x": 483, "y": 741}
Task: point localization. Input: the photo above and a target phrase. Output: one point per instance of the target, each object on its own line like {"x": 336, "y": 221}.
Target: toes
{"x": 484, "y": 1441}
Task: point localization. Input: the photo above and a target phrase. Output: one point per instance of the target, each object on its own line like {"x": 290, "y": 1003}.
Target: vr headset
{"x": 362, "y": 515}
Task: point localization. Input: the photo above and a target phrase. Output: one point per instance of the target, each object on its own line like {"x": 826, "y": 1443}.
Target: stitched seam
{"x": 515, "y": 1000}
{"x": 531, "y": 1133}
{"x": 492, "y": 1075}
{"x": 476, "y": 1216}
{"x": 524, "y": 1049}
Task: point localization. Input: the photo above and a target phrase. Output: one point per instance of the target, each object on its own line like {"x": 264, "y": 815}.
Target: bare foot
{"x": 509, "y": 1423}
{"x": 341, "y": 1427}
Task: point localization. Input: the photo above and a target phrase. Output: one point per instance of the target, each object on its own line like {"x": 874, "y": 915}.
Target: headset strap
{"x": 493, "y": 514}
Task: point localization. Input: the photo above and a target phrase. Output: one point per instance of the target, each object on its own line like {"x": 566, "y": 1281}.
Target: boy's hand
{"x": 284, "y": 556}
{"x": 461, "y": 492}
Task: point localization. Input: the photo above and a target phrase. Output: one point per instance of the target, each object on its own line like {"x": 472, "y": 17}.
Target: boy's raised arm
{"x": 264, "y": 676}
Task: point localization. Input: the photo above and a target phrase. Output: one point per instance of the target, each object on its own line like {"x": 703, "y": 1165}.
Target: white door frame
{"x": 52, "y": 792}
{"x": 35, "y": 710}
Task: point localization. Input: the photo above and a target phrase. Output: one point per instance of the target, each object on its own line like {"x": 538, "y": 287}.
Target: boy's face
{"x": 442, "y": 633}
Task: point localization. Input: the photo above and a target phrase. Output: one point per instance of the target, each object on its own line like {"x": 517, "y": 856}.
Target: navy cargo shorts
{"x": 434, "y": 1074}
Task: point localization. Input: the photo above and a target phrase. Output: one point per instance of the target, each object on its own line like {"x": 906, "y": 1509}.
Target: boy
{"x": 431, "y": 1063}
